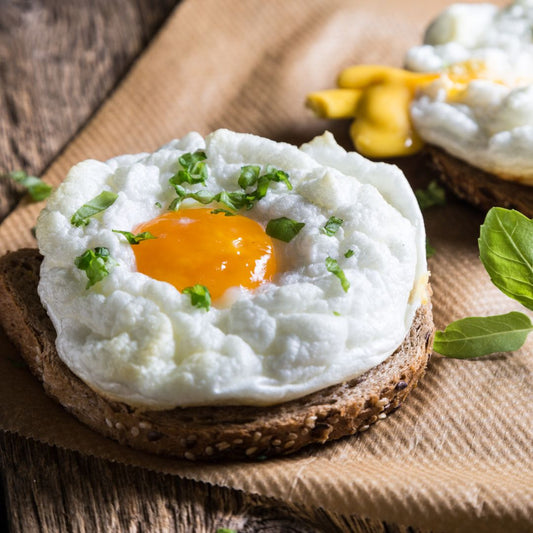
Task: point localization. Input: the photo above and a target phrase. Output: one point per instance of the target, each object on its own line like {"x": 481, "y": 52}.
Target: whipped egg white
{"x": 481, "y": 108}
{"x": 135, "y": 339}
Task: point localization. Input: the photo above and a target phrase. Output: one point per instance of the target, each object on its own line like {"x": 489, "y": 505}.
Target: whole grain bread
{"x": 479, "y": 187}
{"x": 207, "y": 433}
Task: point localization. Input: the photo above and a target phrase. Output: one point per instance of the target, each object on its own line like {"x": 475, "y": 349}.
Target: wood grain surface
{"x": 58, "y": 62}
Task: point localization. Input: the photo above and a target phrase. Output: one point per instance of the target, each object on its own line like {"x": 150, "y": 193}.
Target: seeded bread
{"x": 478, "y": 187}
{"x": 207, "y": 433}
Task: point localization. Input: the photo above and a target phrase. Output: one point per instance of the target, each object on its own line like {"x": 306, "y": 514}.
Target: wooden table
{"x": 58, "y": 62}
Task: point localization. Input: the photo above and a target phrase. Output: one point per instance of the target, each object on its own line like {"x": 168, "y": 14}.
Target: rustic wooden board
{"x": 49, "y": 86}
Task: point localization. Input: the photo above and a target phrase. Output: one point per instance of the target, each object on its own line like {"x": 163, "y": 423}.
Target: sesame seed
{"x": 383, "y": 401}
{"x": 257, "y": 435}
{"x": 119, "y": 426}
{"x": 304, "y": 431}
{"x": 238, "y": 441}
{"x": 289, "y": 444}
{"x": 292, "y": 436}
{"x": 276, "y": 442}
{"x": 134, "y": 431}
{"x": 222, "y": 445}
{"x": 109, "y": 423}
{"x": 401, "y": 385}
{"x": 310, "y": 421}
{"x": 145, "y": 425}
{"x": 364, "y": 428}
{"x": 190, "y": 456}
{"x": 209, "y": 451}
{"x": 251, "y": 450}
{"x": 382, "y": 416}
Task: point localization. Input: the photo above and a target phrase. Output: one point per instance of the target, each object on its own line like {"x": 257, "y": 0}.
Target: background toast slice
{"x": 207, "y": 433}
{"x": 479, "y": 187}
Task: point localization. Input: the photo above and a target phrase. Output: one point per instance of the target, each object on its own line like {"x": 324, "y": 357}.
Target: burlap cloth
{"x": 458, "y": 455}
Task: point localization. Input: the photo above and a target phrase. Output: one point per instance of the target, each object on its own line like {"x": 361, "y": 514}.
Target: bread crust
{"x": 208, "y": 433}
{"x": 478, "y": 187}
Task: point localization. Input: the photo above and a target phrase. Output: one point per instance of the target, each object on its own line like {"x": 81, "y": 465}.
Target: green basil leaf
{"x": 135, "y": 239}
{"x": 433, "y": 195}
{"x": 249, "y": 176}
{"x": 93, "y": 207}
{"x": 333, "y": 266}
{"x": 349, "y": 254}
{"x": 225, "y": 211}
{"x": 36, "y": 187}
{"x": 200, "y": 296}
{"x": 332, "y": 226}
{"x": 96, "y": 263}
{"x": 189, "y": 160}
{"x": 430, "y": 251}
{"x": 477, "y": 336}
{"x": 274, "y": 174}
{"x": 283, "y": 229}
{"x": 505, "y": 248}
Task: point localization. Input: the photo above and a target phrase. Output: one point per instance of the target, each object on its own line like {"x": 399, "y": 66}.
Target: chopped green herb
{"x": 225, "y": 211}
{"x": 332, "y": 226}
{"x": 506, "y": 252}
{"x": 349, "y": 254}
{"x": 36, "y": 187}
{"x": 284, "y": 229}
{"x": 249, "y": 176}
{"x": 335, "y": 269}
{"x": 135, "y": 239}
{"x": 477, "y": 336}
{"x": 274, "y": 174}
{"x": 194, "y": 169}
{"x": 336, "y": 313}
{"x": 433, "y": 195}
{"x": 430, "y": 251}
{"x": 93, "y": 207}
{"x": 96, "y": 263}
{"x": 200, "y": 296}
{"x": 225, "y": 529}
{"x": 234, "y": 200}
{"x": 158, "y": 204}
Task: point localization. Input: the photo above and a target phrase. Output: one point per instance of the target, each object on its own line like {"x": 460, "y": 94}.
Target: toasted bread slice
{"x": 207, "y": 433}
{"x": 478, "y": 187}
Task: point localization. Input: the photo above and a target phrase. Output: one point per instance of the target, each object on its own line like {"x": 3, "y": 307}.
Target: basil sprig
{"x": 482, "y": 335}
{"x": 98, "y": 204}
{"x": 506, "y": 252}
{"x": 135, "y": 239}
{"x": 96, "y": 263}
{"x": 434, "y": 194}
{"x": 333, "y": 266}
{"x": 332, "y": 226}
{"x": 283, "y": 229}
{"x": 36, "y": 187}
{"x": 200, "y": 296}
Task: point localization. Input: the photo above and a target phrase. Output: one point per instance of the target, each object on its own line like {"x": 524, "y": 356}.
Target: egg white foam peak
{"x": 491, "y": 124}
{"x": 139, "y": 340}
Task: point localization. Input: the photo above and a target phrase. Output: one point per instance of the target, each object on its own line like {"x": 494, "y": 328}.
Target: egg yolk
{"x": 195, "y": 246}
{"x": 378, "y": 98}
